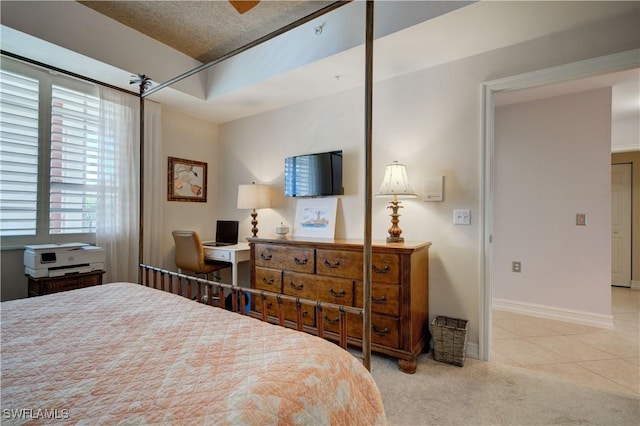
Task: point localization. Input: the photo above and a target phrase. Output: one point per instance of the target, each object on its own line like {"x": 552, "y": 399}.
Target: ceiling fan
{"x": 243, "y": 6}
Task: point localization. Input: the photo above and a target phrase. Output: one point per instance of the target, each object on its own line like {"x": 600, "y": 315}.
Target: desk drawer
{"x": 216, "y": 254}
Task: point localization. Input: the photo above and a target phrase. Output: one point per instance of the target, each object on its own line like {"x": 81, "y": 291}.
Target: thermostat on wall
{"x": 432, "y": 188}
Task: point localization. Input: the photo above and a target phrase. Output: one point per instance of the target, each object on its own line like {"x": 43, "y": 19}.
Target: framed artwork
{"x": 187, "y": 180}
{"x": 316, "y": 217}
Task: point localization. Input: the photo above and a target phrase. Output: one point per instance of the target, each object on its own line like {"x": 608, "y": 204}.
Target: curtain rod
{"x": 248, "y": 46}
{"x": 62, "y": 71}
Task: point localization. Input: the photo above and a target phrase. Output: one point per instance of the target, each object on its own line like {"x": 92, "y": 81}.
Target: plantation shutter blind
{"x": 18, "y": 154}
{"x": 75, "y": 151}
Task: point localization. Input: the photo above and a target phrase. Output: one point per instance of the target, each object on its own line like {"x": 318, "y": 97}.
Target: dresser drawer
{"x": 384, "y": 330}
{"x": 348, "y": 264}
{"x": 385, "y": 268}
{"x": 385, "y": 298}
{"x": 288, "y": 308}
{"x": 269, "y": 280}
{"x": 286, "y": 258}
{"x": 324, "y": 289}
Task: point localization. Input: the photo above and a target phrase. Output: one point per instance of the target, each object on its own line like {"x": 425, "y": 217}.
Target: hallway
{"x": 599, "y": 358}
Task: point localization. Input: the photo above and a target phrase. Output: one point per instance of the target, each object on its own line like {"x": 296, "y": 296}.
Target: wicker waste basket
{"x": 449, "y": 340}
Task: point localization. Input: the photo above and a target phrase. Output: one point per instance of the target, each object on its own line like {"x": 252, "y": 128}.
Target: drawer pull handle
{"x": 296, "y": 287}
{"x": 267, "y": 282}
{"x": 377, "y": 270}
{"x": 333, "y": 265}
{"x": 380, "y": 332}
{"x": 331, "y": 321}
{"x": 379, "y": 301}
{"x": 265, "y": 256}
{"x": 340, "y": 293}
{"x": 300, "y": 262}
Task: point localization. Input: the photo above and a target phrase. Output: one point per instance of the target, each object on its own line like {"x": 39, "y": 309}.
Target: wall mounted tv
{"x": 313, "y": 175}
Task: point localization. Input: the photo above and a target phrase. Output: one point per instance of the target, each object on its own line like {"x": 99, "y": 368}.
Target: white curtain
{"x": 117, "y": 214}
{"x": 155, "y": 173}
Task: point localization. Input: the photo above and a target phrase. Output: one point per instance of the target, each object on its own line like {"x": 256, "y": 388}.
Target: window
{"x": 51, "y": 150}
{"x": 73, "y": 170}
{"x": 18, "y": 153}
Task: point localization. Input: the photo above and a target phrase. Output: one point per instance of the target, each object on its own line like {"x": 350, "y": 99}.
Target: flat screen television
{"x": 313, "y": 175}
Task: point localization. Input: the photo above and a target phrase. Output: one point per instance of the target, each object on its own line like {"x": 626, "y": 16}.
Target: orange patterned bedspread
{"x": 125, "y": 353}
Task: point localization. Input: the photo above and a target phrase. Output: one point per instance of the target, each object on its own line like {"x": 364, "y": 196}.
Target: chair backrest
{"x": 189, "y": 251}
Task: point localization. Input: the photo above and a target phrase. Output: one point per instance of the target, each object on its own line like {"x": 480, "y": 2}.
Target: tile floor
{"x": 600, "y": 358}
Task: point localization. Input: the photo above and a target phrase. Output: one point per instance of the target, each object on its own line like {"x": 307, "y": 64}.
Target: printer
{"x": 56, "y": 260}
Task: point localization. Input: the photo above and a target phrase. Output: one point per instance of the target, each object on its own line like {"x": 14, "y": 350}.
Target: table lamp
{"x": 254, "y": 197}
{"x": 395, "y": 184}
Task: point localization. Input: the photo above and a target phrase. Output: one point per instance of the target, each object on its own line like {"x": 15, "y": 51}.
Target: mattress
{"x": 125, "y": 353}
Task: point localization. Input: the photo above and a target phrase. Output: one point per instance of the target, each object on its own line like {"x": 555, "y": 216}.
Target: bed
{"x": 125, "y": 353}
{"x": 128, "y": 353}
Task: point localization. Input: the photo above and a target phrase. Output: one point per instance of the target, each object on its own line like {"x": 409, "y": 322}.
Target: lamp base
{"x": 394, "y": 239}
{"x": 254, "y": 223}
{"x": 395, "y": 231}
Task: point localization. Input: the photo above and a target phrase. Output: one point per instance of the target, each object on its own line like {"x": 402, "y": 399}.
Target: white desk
{"x": 233, "y": 254}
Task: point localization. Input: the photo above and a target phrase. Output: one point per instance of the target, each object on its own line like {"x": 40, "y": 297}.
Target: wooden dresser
{"x": 331, "y": 271}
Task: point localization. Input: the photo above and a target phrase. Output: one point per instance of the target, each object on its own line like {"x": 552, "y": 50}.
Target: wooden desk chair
{"x": 190, "y": 256}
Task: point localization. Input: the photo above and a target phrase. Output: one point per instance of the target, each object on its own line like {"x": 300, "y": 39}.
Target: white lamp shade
{"x": 396, "y": 182}
{"x": 254, "y": 196}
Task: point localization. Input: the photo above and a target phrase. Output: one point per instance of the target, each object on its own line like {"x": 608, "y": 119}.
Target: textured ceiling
{"x": 205, "y": 30}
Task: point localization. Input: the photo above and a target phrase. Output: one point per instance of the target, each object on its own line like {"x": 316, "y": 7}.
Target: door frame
{"x": 572, "y": 71}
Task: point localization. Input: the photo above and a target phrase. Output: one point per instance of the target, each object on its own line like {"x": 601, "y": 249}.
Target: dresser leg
{"x": 408, "y": 366}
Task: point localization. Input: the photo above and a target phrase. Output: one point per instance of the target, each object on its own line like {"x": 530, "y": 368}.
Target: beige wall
{"x": 634, "y": 159}
{"x": 192, "y": 139}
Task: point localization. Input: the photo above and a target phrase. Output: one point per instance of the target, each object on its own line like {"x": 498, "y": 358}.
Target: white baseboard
{"x": 635, "y": 285}
{"x": 472, "y": 350}
{"x": 568, "y": 315}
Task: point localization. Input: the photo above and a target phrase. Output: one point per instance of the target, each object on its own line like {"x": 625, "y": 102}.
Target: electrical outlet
{"x": 462, "y": 217}
{"x": 581, "y": 219}
{"x": 516, "y": 266}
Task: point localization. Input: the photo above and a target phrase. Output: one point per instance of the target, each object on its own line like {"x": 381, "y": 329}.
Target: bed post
{"x": 366, "y": 273}
{"x": 144, "y": 82}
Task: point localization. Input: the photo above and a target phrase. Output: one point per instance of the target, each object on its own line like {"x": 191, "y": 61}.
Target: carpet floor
{"x": 485, "y": 393}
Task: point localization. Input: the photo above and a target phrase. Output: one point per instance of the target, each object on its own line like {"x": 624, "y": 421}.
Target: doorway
{"x": 583, "y": 69}
{"x": 621, "y": 191}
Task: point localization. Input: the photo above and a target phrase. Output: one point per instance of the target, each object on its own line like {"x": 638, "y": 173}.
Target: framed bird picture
{"x": 187, "y": 180}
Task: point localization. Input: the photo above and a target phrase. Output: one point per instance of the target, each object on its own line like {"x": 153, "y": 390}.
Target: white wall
{"x": 552, "y": 161}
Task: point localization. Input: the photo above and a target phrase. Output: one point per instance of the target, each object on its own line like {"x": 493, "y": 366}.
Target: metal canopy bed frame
{"x": 128, "y": 352}
{"x": 208, "y": 291}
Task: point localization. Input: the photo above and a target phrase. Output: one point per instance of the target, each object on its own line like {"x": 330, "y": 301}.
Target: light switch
{"x": 462, "y": 217}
